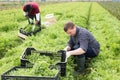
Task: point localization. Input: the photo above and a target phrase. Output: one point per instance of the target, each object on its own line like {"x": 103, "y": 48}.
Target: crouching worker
{"x": 31, "y": 12}
{"x": 81, "y": 45}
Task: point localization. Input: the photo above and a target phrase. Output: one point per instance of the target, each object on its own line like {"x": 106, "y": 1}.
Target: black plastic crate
{"x": 27, "y": 51}
{"x": 30, "y": 32}
{"x": 62, "y": 64}
{"x": 6, "y": 76}
{"x": 60, "y": 53}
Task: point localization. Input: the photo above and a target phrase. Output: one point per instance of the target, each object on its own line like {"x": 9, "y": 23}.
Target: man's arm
{"x": 37, "y": 18}
{"x": 78, "y": 51}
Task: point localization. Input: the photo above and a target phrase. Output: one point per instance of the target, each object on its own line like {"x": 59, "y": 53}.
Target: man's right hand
{"x": 68, "y": 54}
{"x": 27, "y": 16}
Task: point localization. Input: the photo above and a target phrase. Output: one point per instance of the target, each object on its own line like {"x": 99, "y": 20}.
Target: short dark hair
{"x": 68, "y": 25}
{"x": 28, "y": 8}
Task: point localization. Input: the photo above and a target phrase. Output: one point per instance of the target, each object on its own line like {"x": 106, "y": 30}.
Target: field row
{"x": 112, "y": 7}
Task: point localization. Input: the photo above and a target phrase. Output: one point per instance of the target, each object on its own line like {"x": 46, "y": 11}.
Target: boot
{"x": 80, "y": 61}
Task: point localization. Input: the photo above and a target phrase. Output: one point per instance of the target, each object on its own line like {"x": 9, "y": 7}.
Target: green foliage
{"x": 8, "y": 26}
{"x": 7, "y": 42}
{"x": 30, "y": 28}
{"x": 35, "y": 57}
{"x": 41, "y": 69}
{"x": 9, "y": 29}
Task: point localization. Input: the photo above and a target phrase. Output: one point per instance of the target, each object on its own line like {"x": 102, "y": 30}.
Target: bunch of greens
{"x": 40, "y": 68}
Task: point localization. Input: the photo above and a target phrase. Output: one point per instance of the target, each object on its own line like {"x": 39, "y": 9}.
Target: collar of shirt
{"x": 77, "y": 31}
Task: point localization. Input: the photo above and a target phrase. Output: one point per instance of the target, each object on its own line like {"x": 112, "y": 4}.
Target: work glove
{"x": 67, "y": 55}
{"x": 36, "y": 23}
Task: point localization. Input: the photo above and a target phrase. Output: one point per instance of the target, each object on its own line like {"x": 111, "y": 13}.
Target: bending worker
{"x": 81, "y": 45}
{"x": 31, "y": 12}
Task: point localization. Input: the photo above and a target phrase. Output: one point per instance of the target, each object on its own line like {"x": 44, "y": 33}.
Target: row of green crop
{"x": 9, "y": 27}
{"x": 9, "y": 19}
{"x": 106, "y": 28}
{"x": 8, "y": 42}
{"x": 112, "y": 7}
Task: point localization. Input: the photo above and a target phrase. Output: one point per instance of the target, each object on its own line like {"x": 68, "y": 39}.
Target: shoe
{"x": 79, "y": 70}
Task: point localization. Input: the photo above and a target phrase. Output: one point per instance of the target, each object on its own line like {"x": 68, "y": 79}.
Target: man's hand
{"x": 67, "y": 48}
{"x": 36, "y": 23}
{"x": 27, "y": 16}
{"x": 68, "y": 54}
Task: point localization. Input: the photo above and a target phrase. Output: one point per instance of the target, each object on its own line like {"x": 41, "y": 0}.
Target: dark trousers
{"x": 34, "y": 17}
